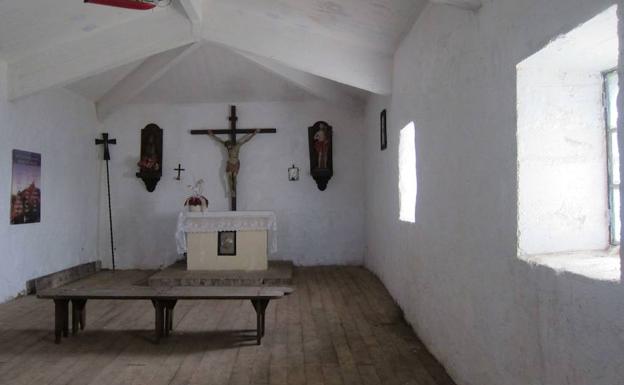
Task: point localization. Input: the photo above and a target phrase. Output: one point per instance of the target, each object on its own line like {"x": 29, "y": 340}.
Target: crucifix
{"x": 179, "y": 170}
{"x": 233, "y": 148}
{"x": 105, "y": 141}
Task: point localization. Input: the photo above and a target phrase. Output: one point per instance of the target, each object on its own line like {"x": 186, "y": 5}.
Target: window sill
{"x": 602, "y": 265}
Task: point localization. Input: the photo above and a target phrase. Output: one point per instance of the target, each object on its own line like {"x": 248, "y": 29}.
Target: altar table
{"x": 255, "y": 238}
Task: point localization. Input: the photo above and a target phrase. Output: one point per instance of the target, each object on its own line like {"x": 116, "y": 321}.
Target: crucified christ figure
{"x": 233, "y": 161}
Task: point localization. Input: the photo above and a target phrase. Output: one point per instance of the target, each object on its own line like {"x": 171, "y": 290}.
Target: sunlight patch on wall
{"x": 408, "y": 188}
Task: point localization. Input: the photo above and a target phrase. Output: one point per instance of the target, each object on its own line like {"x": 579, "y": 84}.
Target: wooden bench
{"x": 163, "y": 299}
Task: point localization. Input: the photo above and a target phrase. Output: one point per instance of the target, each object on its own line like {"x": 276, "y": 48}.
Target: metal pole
{"x": 110, "y": 215}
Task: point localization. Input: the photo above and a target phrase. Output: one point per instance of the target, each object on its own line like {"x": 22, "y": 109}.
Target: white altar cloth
{"x": 213, "y": 221}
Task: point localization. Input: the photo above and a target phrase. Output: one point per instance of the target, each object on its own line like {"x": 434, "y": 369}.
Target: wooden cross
{"x": 105, "y": 141}
{"x": 179, "y": 170}
{"x": 232, "y": 132}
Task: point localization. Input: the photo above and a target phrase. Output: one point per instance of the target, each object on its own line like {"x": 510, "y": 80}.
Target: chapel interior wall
{"x": 314, "y": 227}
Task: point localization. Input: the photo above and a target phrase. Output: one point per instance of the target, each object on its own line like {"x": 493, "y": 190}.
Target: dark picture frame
{"x": 226, "y": 243}
{"x": 383, "y": 132}
{"x": 26, "y": 188}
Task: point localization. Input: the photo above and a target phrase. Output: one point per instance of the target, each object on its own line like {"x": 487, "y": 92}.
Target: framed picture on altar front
{"x": 226, "y": 243}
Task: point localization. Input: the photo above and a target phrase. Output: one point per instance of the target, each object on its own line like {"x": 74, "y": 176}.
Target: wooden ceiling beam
{"x": 70, "y": 61}
{"x": 469, "y": 5}
{"x": 194, "y": 12}
{"x": 304, "y": 50}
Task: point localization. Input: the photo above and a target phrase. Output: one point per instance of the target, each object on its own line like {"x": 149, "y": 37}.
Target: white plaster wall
{"x": 61, "y": 126}
{"x": 621, "y": 108}
{"x": 562, "y": 157}
{"x": 489, "y": 317}
{"x": 314, "y": 227}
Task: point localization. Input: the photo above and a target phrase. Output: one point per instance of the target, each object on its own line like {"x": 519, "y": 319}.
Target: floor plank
{"x": 341, "y": 326}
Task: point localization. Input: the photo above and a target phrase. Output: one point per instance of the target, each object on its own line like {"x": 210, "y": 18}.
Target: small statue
{"x": 321, "y": 146}
{"x": 149, "y": 161}
{"x": 233, "y": 161}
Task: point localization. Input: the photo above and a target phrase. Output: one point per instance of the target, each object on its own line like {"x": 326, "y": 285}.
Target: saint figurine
{"x": 233, "y": 162}
{"x": 321, "y": 146}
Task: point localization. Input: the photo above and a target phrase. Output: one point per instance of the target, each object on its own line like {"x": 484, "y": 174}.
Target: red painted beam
{"x": 129, "y": 4}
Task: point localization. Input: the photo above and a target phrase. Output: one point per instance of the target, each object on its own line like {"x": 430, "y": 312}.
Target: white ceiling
{"x": 210, "y": 74}
{"x": 378, "y": 24}
{"x": 30, "y": 25}
{"x": 248, "y": 49}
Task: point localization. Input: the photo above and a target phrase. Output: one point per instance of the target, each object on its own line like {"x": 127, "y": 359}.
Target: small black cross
{"x": 105, "y": 141}
{"x": 179, "y": 170}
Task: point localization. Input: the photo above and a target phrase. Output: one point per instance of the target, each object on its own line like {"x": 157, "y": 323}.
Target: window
{"x": 611, "y": 90}
{"x": 568, "y": 199}
{"x": 407, "y": 174}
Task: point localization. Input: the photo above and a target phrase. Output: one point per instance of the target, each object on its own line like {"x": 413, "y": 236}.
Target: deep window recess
{"x": 613, "y": 160}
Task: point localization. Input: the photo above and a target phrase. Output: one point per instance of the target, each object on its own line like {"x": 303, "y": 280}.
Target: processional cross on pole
{"x": 233, "y": 147}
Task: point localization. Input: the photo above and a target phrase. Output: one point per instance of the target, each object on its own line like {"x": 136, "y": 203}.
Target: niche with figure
{"x": 321, "y": 162}
{"x": 150, "y": 163}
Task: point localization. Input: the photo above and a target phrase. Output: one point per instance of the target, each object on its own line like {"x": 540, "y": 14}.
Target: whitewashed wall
{"x": 314, "y": 227}
{"x": 61, "y": 127}
{"x": 489, "y": 317}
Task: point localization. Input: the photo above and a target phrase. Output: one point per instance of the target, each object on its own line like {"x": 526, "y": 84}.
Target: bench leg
{"x": 169, "y": 306}
{"x": 61, "y": 322}
{"x": 78, "y": 314}
{"x": 260, "y": 305}
{"x": 159, "y": 319}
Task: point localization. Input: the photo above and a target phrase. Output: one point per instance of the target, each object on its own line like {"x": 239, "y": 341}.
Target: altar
{"x": 232, "y": 240}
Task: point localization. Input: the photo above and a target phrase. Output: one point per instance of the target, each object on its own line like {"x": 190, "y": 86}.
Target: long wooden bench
{"x": 163, "y": 299}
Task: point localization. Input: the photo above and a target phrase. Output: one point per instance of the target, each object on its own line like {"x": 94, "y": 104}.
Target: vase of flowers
{"x": 196, "y": 202}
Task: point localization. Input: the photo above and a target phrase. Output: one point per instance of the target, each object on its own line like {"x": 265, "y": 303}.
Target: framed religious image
{"x": 26, "y": 188}
{"x": 226, "y": 243}
{"x": 321, "y": 153}
{"x": 383, "y": 131}
{"x": 151, "y": 159}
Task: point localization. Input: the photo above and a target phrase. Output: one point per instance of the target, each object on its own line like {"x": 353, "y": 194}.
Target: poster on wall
{"x": 26, "y": 188}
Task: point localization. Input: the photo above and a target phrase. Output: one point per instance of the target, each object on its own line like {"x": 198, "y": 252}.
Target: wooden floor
{"x": 340, "y": 327}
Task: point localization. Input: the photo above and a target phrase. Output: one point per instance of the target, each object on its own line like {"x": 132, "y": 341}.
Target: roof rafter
{"x": 469, "y": 5}
{"x": 70, "y": 61}
{"x": 321, "y": 55}
{"x": 194, "y": 11}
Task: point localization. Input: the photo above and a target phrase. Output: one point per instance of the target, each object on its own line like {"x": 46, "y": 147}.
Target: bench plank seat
{"x": 164, "y": 300}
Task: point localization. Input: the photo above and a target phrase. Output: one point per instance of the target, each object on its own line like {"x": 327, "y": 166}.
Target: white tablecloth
{"x": 213, "y": 221}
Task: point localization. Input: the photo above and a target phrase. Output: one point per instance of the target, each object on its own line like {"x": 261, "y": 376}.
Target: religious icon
{"x": 26, "y": 188}
{"x": 321, "y": 162}
{"x": 233, "y": 162}
{"x": 150, "y": 162}
{"x": 227, "y": 243}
